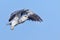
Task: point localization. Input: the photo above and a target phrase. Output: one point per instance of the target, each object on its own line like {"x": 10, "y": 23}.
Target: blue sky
{"x": 49, "y": 29}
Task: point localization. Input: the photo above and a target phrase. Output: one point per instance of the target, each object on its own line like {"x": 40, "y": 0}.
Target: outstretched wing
{"x": 19, "y": 13}
{"x": 35, "y": 17}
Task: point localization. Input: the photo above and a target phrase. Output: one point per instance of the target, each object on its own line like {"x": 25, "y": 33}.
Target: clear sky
{"x": 49, "y": 29}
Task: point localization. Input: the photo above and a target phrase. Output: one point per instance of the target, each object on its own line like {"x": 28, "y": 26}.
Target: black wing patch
{"x": 12, "y": 16}
{"x": 35, "y": 17}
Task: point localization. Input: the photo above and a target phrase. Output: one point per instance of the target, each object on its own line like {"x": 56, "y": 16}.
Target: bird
{"x": 20, "y": 16}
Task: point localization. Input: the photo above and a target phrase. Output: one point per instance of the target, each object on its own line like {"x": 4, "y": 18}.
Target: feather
{"x": 35, "y": 17}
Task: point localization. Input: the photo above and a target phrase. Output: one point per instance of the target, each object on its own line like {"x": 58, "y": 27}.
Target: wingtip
{"x": 41, "y": 20}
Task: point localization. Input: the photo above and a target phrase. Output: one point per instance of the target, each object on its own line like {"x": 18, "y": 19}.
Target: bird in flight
{"x": 20, "y": 16}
